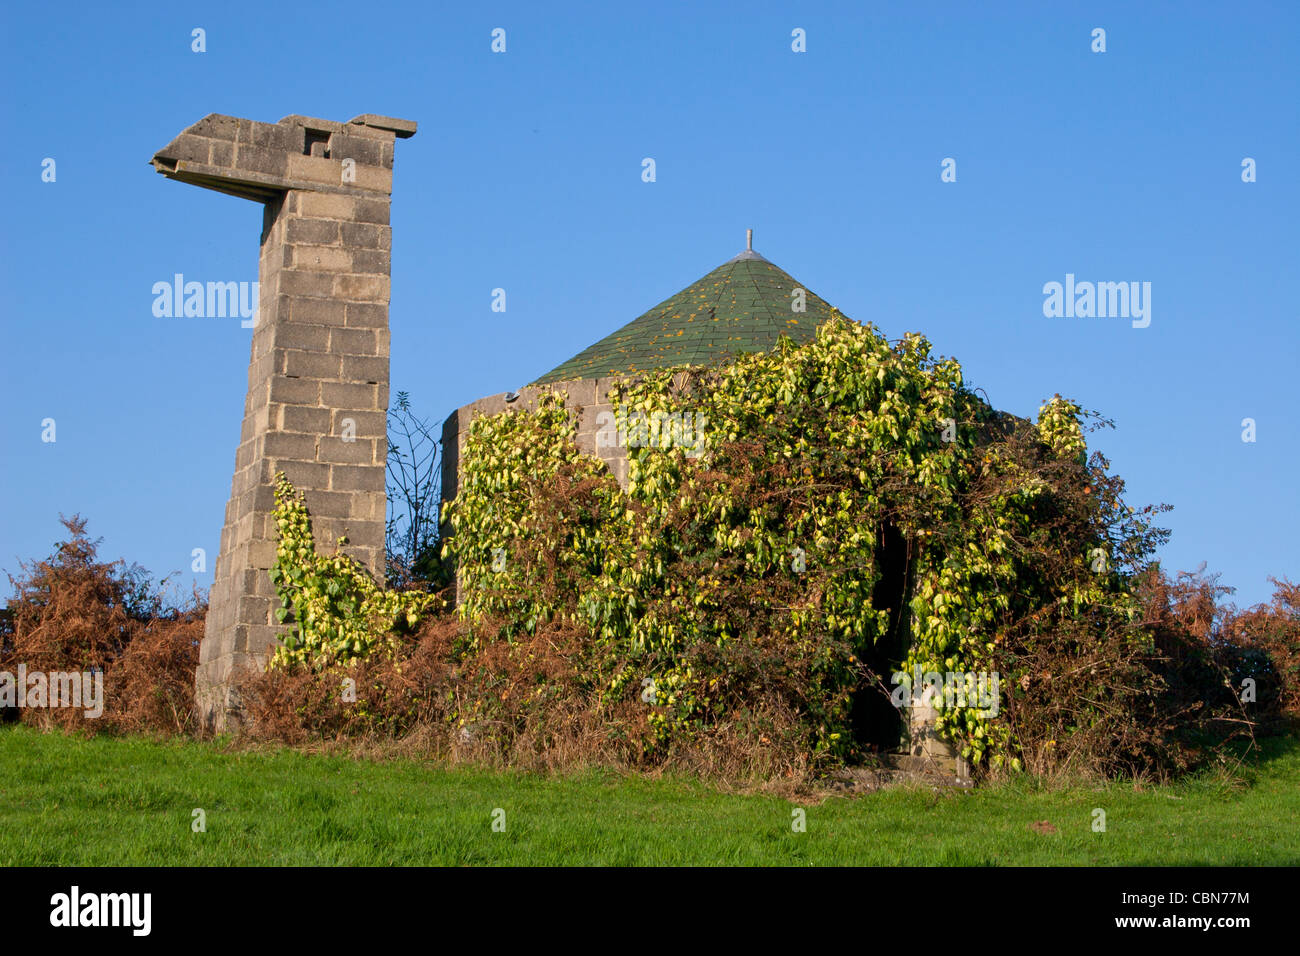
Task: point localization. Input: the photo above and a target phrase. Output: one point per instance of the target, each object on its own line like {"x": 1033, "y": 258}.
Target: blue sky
{"x": 526, "y": 175}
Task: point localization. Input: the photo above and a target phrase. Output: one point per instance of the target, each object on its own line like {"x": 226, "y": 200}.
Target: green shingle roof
{"x": 744, "y": 305}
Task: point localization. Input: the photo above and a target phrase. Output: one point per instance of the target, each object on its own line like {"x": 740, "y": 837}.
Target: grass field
{"x": 130, "y": 802}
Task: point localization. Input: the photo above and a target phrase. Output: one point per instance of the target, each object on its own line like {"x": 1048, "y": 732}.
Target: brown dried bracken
{"x": 72, "y": 613}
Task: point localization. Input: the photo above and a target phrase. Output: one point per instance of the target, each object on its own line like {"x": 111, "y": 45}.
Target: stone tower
{"x": 318, "y": 376}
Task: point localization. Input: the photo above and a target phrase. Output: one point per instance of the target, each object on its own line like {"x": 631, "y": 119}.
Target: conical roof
{"x": 744, "y": 305}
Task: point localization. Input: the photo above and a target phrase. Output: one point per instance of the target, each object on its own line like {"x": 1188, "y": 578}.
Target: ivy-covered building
{"x": 744, "y": 305}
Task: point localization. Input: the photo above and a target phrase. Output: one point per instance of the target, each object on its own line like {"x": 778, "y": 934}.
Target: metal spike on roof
{"x": 749, "y": 252}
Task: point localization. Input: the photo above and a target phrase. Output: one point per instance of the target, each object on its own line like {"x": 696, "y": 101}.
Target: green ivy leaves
{"x": 338, "y": 611}
{"x": 683, "y": 579}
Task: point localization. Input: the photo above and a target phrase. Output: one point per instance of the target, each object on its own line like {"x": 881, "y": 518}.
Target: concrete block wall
{"x": 585, "y": 399}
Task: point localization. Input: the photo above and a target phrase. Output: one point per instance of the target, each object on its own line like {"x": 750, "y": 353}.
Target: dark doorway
{"x": 877, "y": 723}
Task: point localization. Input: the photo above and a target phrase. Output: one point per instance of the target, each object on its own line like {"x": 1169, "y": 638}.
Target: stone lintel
{"x": 402, "y": 129}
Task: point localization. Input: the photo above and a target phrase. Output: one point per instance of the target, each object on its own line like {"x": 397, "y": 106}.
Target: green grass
{"x": 109, "y": 801}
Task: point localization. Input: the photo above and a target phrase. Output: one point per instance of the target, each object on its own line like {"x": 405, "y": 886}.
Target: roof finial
{"x": 749, "y": 240}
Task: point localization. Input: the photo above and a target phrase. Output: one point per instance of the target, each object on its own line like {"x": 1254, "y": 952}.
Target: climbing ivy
{"x": 746, "y": 563}
{"x": 336, "y": 611}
